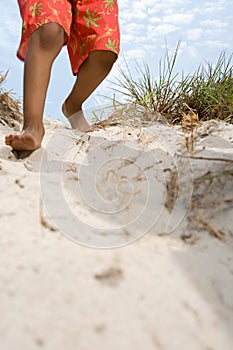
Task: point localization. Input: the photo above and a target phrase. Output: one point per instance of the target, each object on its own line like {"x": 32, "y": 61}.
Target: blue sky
{"x": 205, "y": 28}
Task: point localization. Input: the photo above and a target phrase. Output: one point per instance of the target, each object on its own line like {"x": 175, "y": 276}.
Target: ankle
{"x": 34, "y": 127}
{"x": 69, "y": 109}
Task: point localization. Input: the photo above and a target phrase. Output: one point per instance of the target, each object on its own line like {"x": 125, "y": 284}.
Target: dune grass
{"x": 210, "y": 90}
{"x": 10, "y": 107}
{"x": 207, "y": 93}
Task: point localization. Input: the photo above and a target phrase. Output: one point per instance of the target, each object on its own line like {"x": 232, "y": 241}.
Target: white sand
{"x": 169, "y": 290}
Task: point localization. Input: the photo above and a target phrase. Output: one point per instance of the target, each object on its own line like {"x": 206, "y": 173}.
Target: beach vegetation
{"x": 207, "y": 93}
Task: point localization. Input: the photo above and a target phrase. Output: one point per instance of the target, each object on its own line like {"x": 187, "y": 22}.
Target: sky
{"x": 205, "y": 28}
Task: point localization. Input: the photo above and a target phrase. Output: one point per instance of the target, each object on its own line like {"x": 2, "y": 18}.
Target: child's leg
{"x": 45, "y": 44}
{"x": 91, "y": 73}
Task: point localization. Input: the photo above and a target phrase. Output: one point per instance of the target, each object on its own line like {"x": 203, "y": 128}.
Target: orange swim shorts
{"x": 89, "y": 24}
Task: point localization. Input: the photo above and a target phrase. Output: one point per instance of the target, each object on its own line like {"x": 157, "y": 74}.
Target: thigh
{"x": 95, "y": 26}
{"x": 37, "y": 13}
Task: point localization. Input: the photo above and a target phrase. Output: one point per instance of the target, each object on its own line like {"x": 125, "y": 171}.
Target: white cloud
{"x": 216, "y": 44}
{"x": 10, "y": 29}
{"x": 155, "y": 20}
{"x": 162, "y": 29}
{"x": 135, "y": 54}
{"x": 135, "y": 28}
{"x": 193, "y": 34}
{"x": 179, "y": 18}
{"x": 214, "y": 24}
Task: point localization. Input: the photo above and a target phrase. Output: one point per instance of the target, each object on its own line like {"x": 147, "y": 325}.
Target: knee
{"x": 50, "y": 36}
{"x": 103, "y": 60}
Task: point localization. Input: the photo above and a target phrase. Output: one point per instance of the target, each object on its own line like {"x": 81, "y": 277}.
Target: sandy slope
{"x": 171, "y": 289}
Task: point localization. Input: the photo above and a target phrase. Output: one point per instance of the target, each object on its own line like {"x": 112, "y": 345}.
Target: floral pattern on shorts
{"x": 89, "y": 24}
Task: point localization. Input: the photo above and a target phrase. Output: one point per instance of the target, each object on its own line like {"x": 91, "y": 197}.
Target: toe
{"x": 8, "y": 139}
{"x": 23, "y": 141}
{"x": 90, "y": 130}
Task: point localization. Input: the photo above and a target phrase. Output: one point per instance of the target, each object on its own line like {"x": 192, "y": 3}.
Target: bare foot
{"x": 77, "y": 120}
{"x": 28, "y": 140}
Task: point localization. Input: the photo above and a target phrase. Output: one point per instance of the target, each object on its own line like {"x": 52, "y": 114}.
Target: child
{"x": 90, "y": 30}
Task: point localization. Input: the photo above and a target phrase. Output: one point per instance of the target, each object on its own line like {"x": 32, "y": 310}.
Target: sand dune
{"x": 118, "y": 239}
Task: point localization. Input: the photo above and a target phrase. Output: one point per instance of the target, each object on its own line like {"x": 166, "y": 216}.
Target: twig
{"x": 209, "y": 158}
{"x": 216, "y": 233}
{"x": 209, "y": 176}
{"x": 44, "y": 222}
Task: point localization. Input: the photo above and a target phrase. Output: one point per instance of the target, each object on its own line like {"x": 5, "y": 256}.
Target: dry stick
{"x": 216, "y": 233}
{"x": 209, "y": 158}
{"x": 44, "y": 222}
{"x": 192, "y": 131}
{"x": 209, "y": 176}
{"x": 3, "y": 77}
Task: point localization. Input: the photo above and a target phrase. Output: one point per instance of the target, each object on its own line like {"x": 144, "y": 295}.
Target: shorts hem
{"x": 85, "y": 56}
{"x": 25, "y": 38}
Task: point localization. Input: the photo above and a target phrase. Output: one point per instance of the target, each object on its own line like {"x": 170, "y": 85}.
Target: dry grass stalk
{"x": 213, "y": 231}
{"x": 189, "y": 122}
{"x": 10, "y": 108}
{"x": 172, "y": 187}
{"x": 44, "y": 222}
{"x": 210, "y": 158}
{"x": 210, "y": 176}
